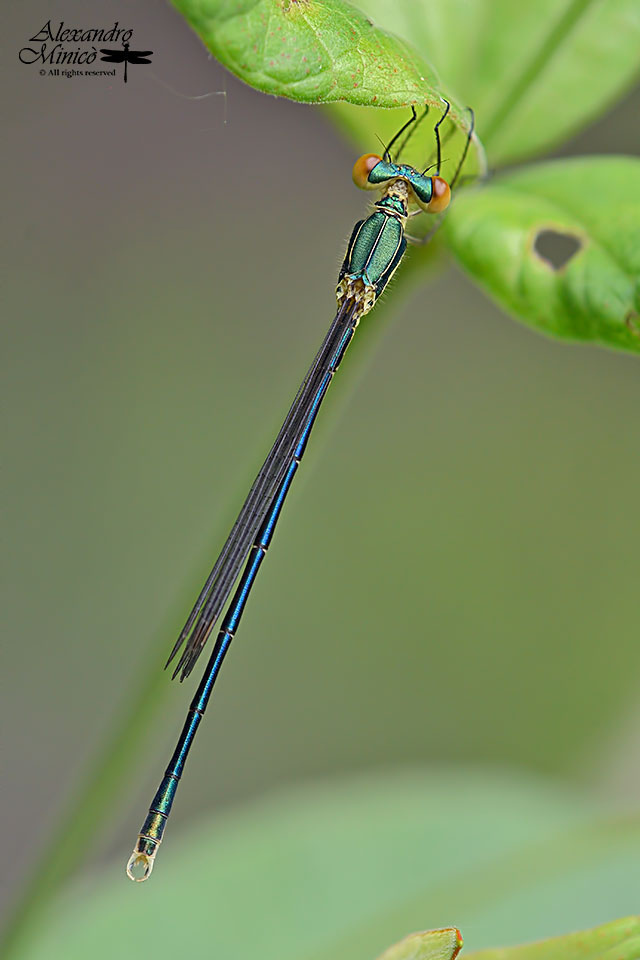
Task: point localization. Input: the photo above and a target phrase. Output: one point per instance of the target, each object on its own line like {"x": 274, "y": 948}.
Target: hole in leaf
{"x": 555, "y": 248}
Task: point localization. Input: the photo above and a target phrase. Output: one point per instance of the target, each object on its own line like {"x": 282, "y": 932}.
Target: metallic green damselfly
{"x": 374, "y": 252}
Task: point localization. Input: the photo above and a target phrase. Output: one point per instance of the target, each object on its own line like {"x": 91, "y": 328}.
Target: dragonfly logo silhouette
{"x": 126, "y": 56}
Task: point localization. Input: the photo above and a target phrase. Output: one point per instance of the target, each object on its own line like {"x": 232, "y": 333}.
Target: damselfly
{"x": 375, "y": 249}
{"x": 125, "y": 56}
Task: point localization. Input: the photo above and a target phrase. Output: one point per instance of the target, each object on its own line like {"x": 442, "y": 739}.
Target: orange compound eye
{"x": 361, "y": 170}
{"x": 440, "y": 197}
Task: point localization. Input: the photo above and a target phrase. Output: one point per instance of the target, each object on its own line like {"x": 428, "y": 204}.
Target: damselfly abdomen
{"x": 374, "y": 252}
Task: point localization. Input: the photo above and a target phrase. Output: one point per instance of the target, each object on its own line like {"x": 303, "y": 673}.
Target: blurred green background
{"x": 455, "y": 579}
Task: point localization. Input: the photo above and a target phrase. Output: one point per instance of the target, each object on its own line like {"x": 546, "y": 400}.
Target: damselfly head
{"x": 431, "y": 194}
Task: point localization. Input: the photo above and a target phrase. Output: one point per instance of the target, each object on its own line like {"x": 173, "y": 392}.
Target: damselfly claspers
{"x": 375, "y": 250}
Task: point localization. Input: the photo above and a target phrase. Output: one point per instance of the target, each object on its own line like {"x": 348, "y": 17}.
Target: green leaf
{"x": 430, "y": 945}
{"x": 337, "y": 871}
{"x": 619, "y": 940}
{"x": 312, "y": 51}
{"x": 321, "y": 52}
{"x": 498, "y": 233}
{"x": 534, "y": 72}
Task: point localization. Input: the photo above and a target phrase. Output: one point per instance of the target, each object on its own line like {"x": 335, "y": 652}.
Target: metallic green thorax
{"x": 375, "y": 249}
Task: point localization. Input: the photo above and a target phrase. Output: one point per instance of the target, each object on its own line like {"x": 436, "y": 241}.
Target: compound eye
{"x": 361, "y": 170}
{"x": 440, "y": 197}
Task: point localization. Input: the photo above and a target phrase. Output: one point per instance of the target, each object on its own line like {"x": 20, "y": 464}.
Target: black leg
{"x": 387, "y": 153}
{"x": 411, "y": 133}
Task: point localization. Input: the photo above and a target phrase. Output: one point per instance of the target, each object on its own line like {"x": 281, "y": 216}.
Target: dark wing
{"x": 139, "y": 56}
{"x": 114, "y": 56}
{"x": 220, "y": 581}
